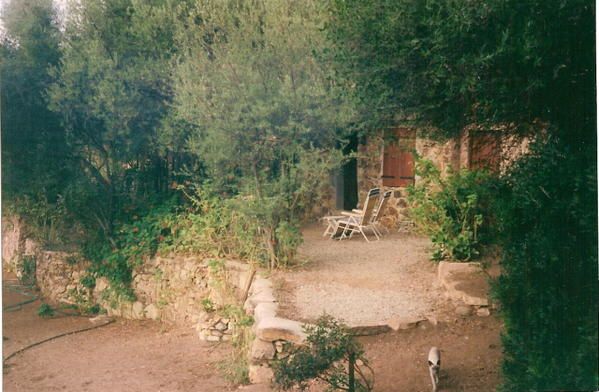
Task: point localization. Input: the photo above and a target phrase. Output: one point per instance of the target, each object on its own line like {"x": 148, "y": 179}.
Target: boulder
{"x": 137, "y": 310}
{"x": 262, "y": 350}
{"x": 275, "y": 328}
{"x": 260, "y": 374}
{"x": 463, "y": 310}
{"x": 262, "y": 296}
{"x": 265, "y": 310}
{"x": 152, "y": 312}
{"x": 396, "y": 323}
{"x": 369, "y": 330}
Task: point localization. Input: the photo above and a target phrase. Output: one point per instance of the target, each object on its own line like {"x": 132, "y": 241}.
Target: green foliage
{"x": 27, "y": 267}
{"x": 251, "y": 85}
{"x": 262, "y": 117}
{"x": 134, "y": 243}
{"x": 450, "y": 63}
{"x": 112, "y": 91}
{"x": 84, "y": 302}
{"x": 548, "y": 289}
{"x": 451, "y": 210}
{"x": 208, "y": 305}
{"x": 35, "y": 158}
{"x": 88, "y": 281}
{"x": 235, "y": 368}
{"x": 242, "y": 227}
{"x": 45, "y": 310}
{"x": 331, "y": 354}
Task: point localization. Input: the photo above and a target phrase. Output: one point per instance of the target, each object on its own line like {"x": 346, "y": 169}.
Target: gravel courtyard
{"x": 361, "y": 283}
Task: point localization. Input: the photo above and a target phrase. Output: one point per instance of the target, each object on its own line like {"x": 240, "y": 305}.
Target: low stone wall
{"x": 15, "y": 244}
{"x": 171, "y": 289}
{"x": 58, "y": 276}
{"x": 274, "y": 336}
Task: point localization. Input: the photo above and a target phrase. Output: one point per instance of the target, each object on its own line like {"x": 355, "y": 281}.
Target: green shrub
{"x": 45, "y": 310}
{"x": 243, "y": 227}
{"x": 134, "y": 242}
{"x": 235, "y": 367}
{"x": 331, "y": 354}
{"x": 451, "y": 210}
{"x": 88, "y": 281}
{"x": 27, "y": 270}
{"x": 548, "y": 288}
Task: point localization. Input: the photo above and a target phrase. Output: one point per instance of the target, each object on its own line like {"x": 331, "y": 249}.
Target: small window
{"x": 398, "y": 158}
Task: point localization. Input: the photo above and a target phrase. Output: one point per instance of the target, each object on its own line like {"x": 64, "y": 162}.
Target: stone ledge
{"x": 369, "y": 330}
{"x": 275, "y": 328}
{"x": 396, "y": 323}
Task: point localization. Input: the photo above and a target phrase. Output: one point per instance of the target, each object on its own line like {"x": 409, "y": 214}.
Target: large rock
{"x": 262, "y": 296}
{"x": 275, "y": 328}
{"x": 464, "y": 282}
{"x": 265, "y": 310}
{"x": 369, "y": 330}
{"x": 396, "y": 323}
{"x": 152, "y": 312}
{"x": 137, "y": 310}
{"x": 260, "y": 284}
{"x": 260, "y": 374}
{"x": 262, "y": 350}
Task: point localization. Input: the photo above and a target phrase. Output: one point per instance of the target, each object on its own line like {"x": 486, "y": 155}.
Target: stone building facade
{"x": 493, "y": 149}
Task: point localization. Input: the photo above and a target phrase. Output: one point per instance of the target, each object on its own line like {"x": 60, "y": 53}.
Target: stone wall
{"x": 13, "y": 243}
{"x": 274, "y": 336}
{"x": 171, "y": 289}
{"x": 452, "y": 154}
{"x": 444, "y": 155}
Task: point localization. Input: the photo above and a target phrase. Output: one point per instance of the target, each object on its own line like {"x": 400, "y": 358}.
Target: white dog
{"x": 434, "y": 364}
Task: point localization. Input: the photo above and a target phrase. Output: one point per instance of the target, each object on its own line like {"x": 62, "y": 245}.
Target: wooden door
{"x": 398, "y": 158}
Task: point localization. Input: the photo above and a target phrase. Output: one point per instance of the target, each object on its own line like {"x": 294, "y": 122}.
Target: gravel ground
{"x": 361, "y": 283}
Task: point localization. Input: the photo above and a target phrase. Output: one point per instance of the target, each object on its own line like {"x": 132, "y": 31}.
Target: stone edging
{"x": 274, "y": 336}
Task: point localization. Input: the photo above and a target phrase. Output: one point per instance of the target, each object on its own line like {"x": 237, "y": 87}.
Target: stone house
{"x": 386, "y": 160}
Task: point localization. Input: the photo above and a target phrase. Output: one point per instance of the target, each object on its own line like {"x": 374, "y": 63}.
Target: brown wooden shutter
{"x": 398, "y": 159}
{"x": 485, "y": 150}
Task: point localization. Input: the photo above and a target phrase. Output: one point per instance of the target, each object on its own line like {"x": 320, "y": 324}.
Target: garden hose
{"x": 18, "y": 305}
{"x": 17, "y": 288}
{"x": 19, "y": 351}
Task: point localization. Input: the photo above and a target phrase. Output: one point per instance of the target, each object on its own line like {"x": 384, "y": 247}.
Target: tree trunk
{"x": 352, "y": 378}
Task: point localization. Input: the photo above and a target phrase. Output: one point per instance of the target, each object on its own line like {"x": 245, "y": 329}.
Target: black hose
{"x": 56, "y": 337}
{"x": 18, "y": 305}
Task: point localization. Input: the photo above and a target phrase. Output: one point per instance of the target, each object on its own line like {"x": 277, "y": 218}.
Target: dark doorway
{"x": 346, "y": 180}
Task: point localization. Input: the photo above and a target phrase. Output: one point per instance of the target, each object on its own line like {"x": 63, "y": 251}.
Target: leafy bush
{"x": 451, "y": 210}
{"x": 242, "y": 226}
{"x": 45, "y": 310}
{"x": 548, "y": 288}
{"x": 331, "y": 354}
{"x": 133, "y": 243}
{"x": 27, "y": 270}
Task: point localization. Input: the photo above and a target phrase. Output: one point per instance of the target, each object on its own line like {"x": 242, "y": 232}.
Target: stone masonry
{"x": 451, "y": 154}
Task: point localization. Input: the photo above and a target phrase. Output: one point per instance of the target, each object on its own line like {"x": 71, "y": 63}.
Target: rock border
{"x": 275, "y": 336}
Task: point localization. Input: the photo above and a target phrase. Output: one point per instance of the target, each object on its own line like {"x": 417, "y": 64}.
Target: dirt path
{"x": 359, "y": 282}
{"x": 470, "y": 356}
{"x": 123, "y": 356}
